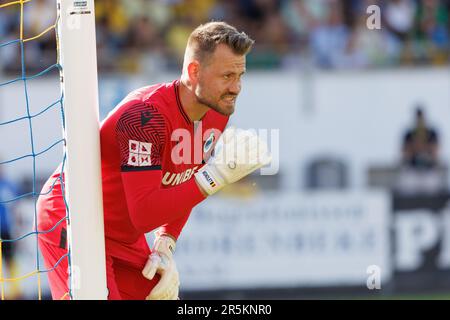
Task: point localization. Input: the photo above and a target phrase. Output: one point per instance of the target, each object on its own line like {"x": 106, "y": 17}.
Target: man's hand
{"x": 161, "y": 261}
{"x": 237, "y": 154}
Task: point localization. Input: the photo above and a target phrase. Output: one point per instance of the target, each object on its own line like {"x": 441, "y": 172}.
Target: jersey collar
{"x": 180, "y": 106}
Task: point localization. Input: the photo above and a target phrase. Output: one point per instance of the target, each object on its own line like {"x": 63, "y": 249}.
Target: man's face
{"x": 219, "y": 80}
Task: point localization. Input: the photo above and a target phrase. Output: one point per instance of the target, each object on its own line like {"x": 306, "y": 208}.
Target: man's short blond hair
{"x": 206, "y": 37}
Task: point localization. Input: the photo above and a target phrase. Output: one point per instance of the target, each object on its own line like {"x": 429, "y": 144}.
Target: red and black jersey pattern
{"x": 141, "y": 134}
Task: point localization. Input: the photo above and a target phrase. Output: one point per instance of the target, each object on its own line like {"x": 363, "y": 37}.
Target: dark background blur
{"x": 332, "y": 33}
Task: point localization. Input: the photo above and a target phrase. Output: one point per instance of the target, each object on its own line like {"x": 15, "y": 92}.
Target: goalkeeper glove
{"x": 237, "y": 154}
{"x": 161, "y": 261}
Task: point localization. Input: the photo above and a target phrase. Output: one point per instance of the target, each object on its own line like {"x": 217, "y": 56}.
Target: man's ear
{"x": 193, "y": 71}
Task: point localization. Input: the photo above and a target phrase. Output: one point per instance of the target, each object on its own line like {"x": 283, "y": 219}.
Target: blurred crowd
{"x": 150, "y": 35}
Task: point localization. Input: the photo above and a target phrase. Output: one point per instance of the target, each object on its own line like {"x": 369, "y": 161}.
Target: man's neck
{"x": 193, "y": 109}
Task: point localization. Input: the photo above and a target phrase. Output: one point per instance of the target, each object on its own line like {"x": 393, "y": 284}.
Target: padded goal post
{"x": 79, "y": 113}
{"x": 78, "y": 60}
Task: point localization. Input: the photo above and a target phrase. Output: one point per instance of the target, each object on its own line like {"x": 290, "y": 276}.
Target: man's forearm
{"x": 150, "y": 208}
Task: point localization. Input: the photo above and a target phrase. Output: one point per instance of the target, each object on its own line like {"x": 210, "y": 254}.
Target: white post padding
{"x": 78, "y": 58}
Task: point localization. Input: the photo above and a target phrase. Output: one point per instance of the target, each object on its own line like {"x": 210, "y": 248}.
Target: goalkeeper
{"x": 147, "y": 184}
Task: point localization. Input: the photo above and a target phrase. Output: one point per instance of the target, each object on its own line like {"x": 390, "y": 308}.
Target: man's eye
{"x": 227, "y": 76}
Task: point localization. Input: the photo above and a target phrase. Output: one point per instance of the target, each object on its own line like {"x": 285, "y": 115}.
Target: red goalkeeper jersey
{"x": 150, "y": 150}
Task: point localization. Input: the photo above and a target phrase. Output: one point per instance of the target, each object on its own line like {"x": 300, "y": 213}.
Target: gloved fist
{"x": 161, "y": 262}
{"x": 237, "y": 154}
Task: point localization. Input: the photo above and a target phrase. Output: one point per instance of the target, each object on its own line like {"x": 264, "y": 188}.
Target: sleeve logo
{"x": 140, "y": 154}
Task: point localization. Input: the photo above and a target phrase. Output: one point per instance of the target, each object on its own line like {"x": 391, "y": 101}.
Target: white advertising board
{"x": 286, "y": 240}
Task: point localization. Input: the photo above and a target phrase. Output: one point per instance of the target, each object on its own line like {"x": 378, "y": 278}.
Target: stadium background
{"x": 339, "y": 96}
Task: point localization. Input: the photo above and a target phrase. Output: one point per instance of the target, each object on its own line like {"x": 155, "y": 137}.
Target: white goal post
{"x": 78, "y": 58}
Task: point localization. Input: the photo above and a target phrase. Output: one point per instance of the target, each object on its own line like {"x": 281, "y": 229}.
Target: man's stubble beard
{"x": 213, "y": 105}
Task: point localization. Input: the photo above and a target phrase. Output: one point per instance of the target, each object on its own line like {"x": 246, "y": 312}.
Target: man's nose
{"x": 235, "y": 88}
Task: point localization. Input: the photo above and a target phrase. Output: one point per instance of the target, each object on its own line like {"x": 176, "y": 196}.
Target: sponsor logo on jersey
{"x": 139, "y": 154}
{"x": 174, "y": 179}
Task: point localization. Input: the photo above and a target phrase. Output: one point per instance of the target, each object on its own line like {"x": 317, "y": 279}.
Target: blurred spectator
{"x": 399, "y": 17}
{"x": 144, "y": 36}
{"x": 38, "y": 16}
{"x": 301, "y": 16}
{"x": 330, "y": 38}
{"x": 112, "y": 25}
{"x": 421, "y": 172}
{"x": 421, "y": 144}
{"x": 366, "y": 47}
{"x": 8, "y": 191}
{"x": 432, "y": 32}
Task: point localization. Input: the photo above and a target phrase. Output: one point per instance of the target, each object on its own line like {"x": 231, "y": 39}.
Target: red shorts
{"x": 123, "y": 263}
{"x": 124, "y": 281}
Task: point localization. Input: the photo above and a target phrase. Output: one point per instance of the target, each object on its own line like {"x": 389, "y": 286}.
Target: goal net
{"x": 49, "y": 44}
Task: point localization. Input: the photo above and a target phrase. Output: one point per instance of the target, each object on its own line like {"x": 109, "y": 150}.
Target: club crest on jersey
{"x": 208, "y": 143}
{"x": 139, "y": 153}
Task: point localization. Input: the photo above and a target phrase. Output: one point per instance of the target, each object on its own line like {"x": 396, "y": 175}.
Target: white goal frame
{"x": 79, "y": 81}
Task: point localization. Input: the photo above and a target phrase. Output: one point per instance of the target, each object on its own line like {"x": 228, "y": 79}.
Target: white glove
{"x": 161, "y": 261}
{"x": 237, "y": 154}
